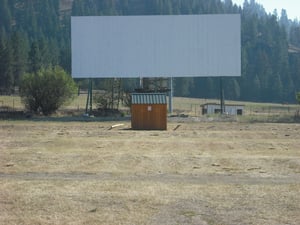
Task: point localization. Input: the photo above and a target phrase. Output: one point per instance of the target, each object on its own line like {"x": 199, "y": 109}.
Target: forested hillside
{"x": 36, "y": 33}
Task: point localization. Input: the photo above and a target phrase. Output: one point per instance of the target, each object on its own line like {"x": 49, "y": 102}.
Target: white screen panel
{"x": 156, "y": 46}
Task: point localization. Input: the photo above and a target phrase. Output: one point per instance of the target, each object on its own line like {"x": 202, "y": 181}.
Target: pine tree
{"x": 19, "y": 45}
{"x": 5, "y": 16}
{"x": 35, "y": 58}
{"x": 78, "y": 8}
{"x": 295, "y": 34}
{"x": 6, "y": 68}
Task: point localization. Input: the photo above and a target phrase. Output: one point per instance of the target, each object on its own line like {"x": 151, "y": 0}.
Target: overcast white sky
{"x": 291, "y": 6}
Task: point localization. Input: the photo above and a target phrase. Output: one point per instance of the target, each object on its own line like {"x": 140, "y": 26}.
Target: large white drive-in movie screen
{"x": 156, "y": 46}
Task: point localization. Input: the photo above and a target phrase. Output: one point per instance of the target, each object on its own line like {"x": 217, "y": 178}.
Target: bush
{"x": 102, "y": 100}
{"x": 47, "y": 90}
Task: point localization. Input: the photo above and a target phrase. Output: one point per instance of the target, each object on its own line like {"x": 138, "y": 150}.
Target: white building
{"x": 230, "y": 109}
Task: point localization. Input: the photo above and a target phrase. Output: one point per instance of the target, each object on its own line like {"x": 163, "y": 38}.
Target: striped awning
{"x": 148, "y": 98}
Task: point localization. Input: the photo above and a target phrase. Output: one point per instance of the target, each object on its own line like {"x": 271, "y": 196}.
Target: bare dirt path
{"x": 217, "y": 179}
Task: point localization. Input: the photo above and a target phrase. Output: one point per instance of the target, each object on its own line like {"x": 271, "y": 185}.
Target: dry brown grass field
{"x": 199, "y": 171}
{"x": 210, "y": 173}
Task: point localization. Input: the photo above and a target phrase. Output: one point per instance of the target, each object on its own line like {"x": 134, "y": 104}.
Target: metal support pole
{"x": 89, "y": 100}
{"x": 222, "y": 101}
{"x": 171, "y": 96}
{"x": 91, "y": 96}
{"x": 141, "y": 83}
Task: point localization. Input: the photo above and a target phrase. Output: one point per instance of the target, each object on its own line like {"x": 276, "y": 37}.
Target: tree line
{"x": 36, "y": 34}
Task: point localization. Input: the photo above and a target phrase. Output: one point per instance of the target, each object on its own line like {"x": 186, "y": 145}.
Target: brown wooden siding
{"x": 149, "y": 117}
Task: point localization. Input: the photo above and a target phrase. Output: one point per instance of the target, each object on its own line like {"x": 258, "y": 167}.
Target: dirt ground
{"x": 198, "y": 173}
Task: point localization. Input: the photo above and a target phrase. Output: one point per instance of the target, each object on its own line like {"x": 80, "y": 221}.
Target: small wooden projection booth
{"x": 149, "y": 111}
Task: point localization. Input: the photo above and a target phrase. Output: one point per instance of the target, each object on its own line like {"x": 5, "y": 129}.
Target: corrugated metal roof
{"x": 148, "y": 98}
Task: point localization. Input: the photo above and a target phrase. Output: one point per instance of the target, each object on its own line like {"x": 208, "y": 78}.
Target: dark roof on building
{"x": 148, "y": 98}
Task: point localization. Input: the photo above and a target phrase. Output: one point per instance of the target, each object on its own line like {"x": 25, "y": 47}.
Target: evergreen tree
{"x": 5, "y": 16}
{"x": 276, "y": 89}
{"x": 78, "y": 8}
{"x": 294, "y": 61}
{"x": 19, "y": 45}
{"x": 2, "y": 67}
{"x": 295, "y": 34}
{"x": 284, "y": 20}
{"x": 65, "y": 59}
{"x": 183, "y": 86}
{"x": 6, "y": 68}
{"x": 232, "y": 89}
{"x": 29, "y": 21}
{"x": 35, "y": 58}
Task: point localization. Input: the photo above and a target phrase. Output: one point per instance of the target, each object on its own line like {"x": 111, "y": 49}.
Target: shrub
{"x": 102, "y": 100}
{"x": 47, "y": 90}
